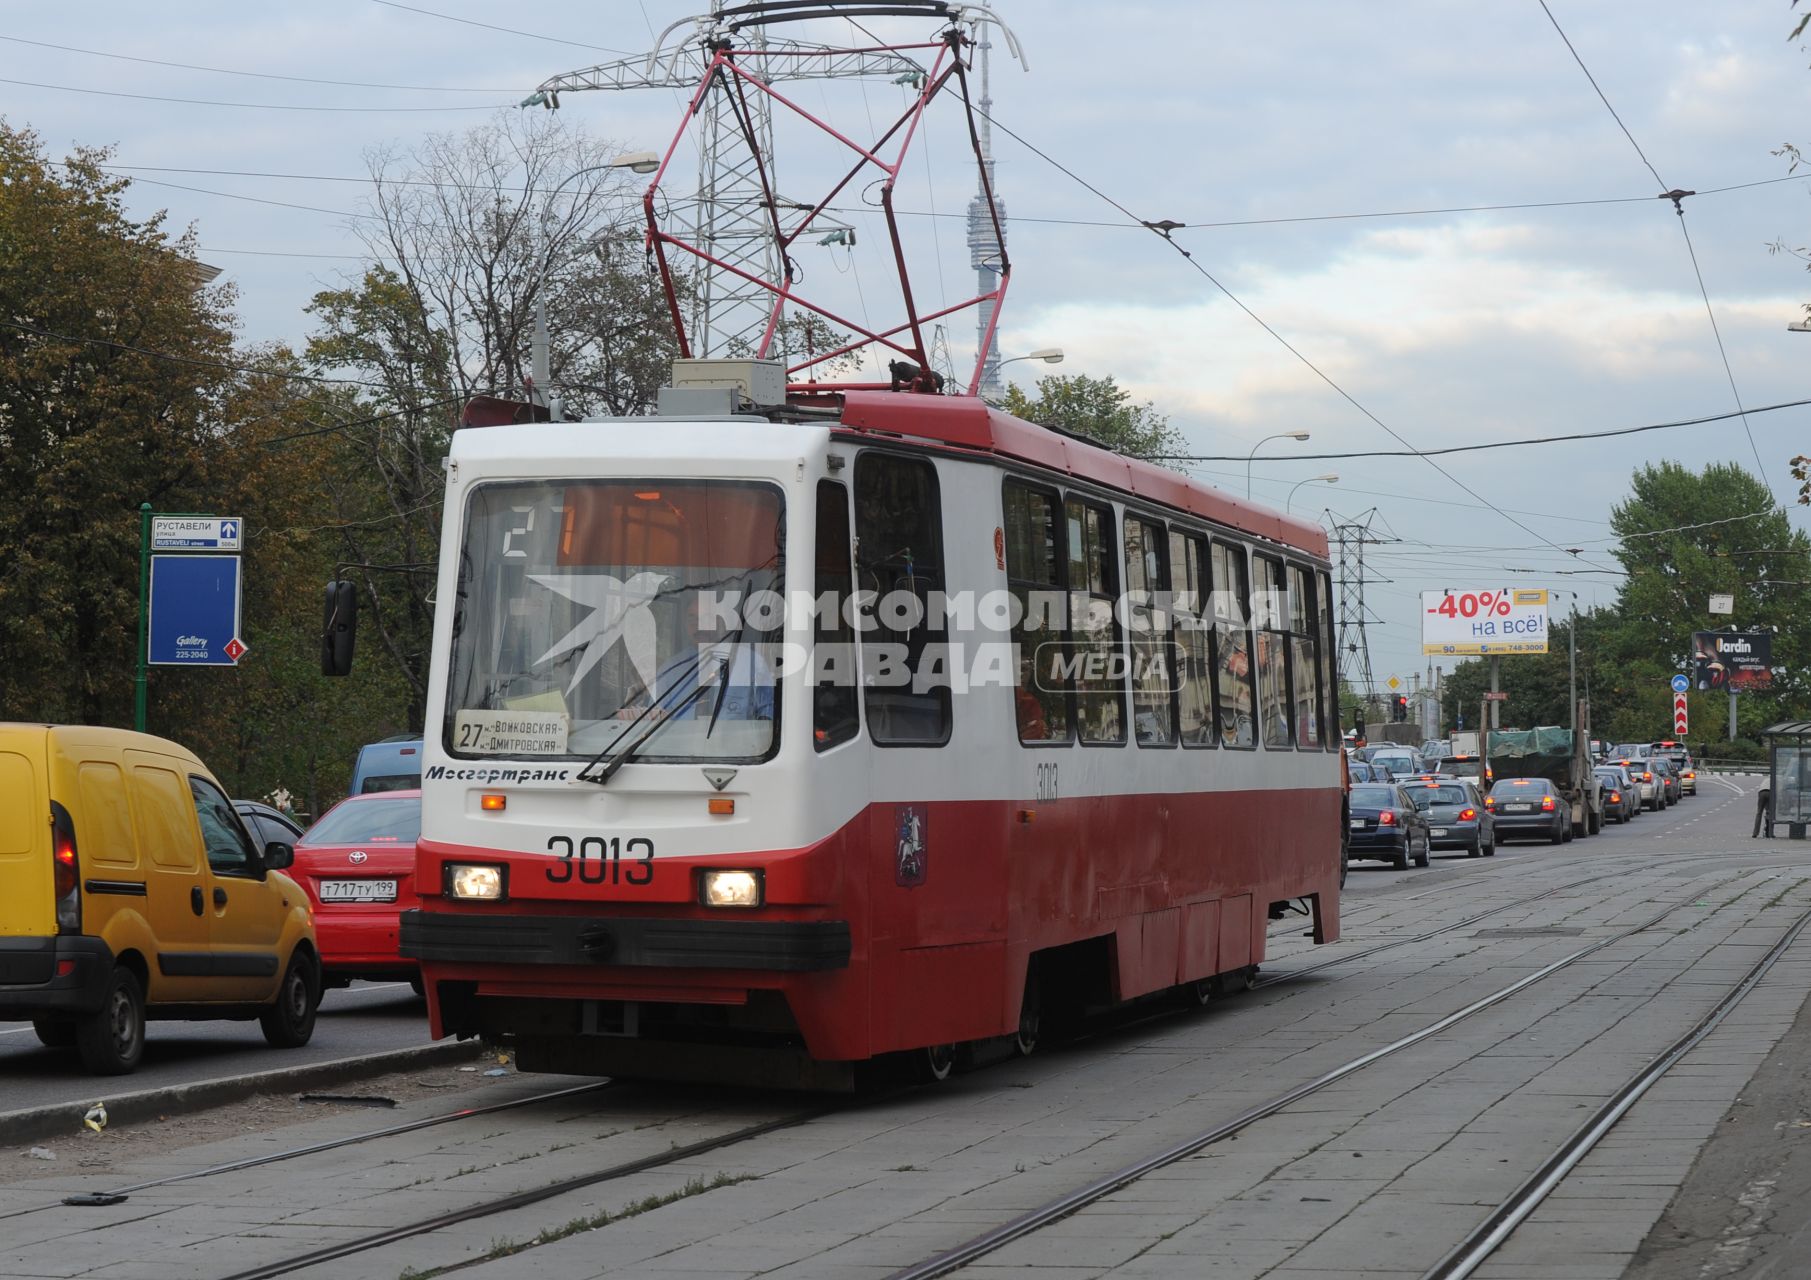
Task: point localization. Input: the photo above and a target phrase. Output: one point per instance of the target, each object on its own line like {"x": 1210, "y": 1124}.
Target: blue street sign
{"x": 1681, "y": 684}
{"x": 195, "y": 611}
{"x": 196, "y": 533}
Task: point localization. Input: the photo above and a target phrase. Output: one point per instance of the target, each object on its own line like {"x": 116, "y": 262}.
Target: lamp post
{"x": 1571, "y": 660}
{"x": 540, "y": 354}
{"x": 1332, "y": 477}
{"x": 1285, "y": 435}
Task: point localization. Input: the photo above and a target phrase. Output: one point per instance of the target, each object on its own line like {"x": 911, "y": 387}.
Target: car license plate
{"x": 1358, "y": 824}
{"x": 358, "y": 891}
{"x": 1438, "y": 831}
{"x": 1518, "y": 808}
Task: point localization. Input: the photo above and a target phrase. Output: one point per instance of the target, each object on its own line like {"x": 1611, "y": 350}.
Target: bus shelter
{"x": 1789, "y": 746}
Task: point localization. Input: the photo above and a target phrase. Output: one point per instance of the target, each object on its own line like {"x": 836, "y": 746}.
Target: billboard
{"x": 1738, "y": 661}
{"x": 1479, "y": 621}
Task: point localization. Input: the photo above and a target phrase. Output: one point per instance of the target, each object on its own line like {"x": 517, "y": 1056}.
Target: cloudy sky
{"x": 1266, "y": 128}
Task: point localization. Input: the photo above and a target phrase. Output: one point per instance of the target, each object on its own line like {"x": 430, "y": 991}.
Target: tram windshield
{"x": 596, "y": 612}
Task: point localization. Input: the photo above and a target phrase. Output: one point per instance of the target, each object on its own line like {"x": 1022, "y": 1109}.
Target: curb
{"x": 62, "y": 1118}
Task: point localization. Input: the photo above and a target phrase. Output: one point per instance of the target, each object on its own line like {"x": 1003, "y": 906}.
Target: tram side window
{"x": 899, "y": 558}
{"x": 1153, "y": 679}
{"x": 1270, "y": 617}
{"x": 834, "y": 716}
{"x": 1192, "y": 621}
{"x": 1100, "y": 697}
{"x": 1232, "y": 647}
{"x": 1304, "y": 657}
{"x": 1043, "y": 699}
{"x": 1323, "y": 629}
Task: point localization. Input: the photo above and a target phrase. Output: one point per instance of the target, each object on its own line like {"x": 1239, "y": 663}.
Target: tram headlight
{"x": 475, "y": 880}
{"x": 730, "y": 888}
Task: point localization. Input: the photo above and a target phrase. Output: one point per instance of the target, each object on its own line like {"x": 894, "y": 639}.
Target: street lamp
{"x": 540, "y": 359}
{"x": 1286, "y": 435}
{"x": 1049, "y": 355}
{"x": 1332, "y": 477}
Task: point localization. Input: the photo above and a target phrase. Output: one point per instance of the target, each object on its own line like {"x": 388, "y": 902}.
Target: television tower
{"x": 985, "y": 250}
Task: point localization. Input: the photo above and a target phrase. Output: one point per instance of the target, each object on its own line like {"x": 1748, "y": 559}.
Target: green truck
{"x": 1560, "y": 756}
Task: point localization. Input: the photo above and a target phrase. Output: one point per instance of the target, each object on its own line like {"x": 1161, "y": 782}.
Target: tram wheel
{"x": 935, "y": 1063}
{"x": 1030, "y": 1019}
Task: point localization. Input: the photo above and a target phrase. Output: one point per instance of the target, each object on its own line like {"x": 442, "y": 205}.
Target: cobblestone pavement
{"x": 1376, "y": 1175}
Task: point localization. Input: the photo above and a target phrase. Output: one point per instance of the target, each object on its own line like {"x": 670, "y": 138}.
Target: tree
{"x": 1686, "y": 535}
{"x": 111, "y": 388}
{"x": 467, "y": 233}
{"x": 1100, "y": 409}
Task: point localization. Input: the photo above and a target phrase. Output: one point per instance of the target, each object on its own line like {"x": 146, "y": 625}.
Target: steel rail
{"x": 1465, "y": 1257}
{"x": 119, "y": 1194}
{"x": 522, "y": 1199}
{"x": 1035, "y": 1219}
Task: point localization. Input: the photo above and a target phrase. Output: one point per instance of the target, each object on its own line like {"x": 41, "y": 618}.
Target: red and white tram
{"x": 680, "y": 819}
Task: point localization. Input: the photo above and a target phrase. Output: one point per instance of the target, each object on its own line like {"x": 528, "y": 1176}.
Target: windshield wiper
{"x": 629, "y": 752}
{"x": 654, "y": 704}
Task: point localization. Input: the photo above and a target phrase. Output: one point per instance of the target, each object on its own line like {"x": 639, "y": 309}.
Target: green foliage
{"x": 1685, "y": 535}
{"x": 1100, "y": 409}
{"x": 92, "y": 424}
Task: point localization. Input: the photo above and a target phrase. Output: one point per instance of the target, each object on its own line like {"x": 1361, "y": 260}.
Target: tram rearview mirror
{"x": 339, "y": 627}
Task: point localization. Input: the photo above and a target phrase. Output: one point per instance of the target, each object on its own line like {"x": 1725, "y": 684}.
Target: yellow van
{"x": 129, "y": 889}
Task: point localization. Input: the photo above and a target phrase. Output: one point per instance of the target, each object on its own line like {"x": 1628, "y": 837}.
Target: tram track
{"x": 1060, "y": 1207}
{"x": 119, "y": 1195}
{"x": 534, "y": 1195}
{"x": 528, "y": 1196}
{"x": 1490, "y": 1234}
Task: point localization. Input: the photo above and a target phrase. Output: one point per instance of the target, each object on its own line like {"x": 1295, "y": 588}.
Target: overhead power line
{"x": 1104, "y": 223}
{"x": 1678, "y": 197}
{"x": 509, "y": 31}
{"x": 255, "y": 75}
{"x": 238, "y": 106}
{"x": 1495, "y": 444}
{"x": 195, "y": 361}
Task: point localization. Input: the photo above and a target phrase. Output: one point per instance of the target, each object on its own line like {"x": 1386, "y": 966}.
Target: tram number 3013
{"x": 602, "y": 861}
{"x": 1046, "y": 781}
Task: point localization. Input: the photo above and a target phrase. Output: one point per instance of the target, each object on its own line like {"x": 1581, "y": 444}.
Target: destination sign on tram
{"x": 1476, "y": 621}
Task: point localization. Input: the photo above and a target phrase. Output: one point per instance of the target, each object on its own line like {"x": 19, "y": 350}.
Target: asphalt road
{"x": 364, "y": 1018}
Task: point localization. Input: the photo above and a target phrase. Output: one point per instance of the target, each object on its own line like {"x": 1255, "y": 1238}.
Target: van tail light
{"x": 1647, "y": 777}
{"x": 1547, "y": 804}
{"x": 1468, "y": 815}
{"x": 68, "y": 870}
{"x": 1387, "y": 818}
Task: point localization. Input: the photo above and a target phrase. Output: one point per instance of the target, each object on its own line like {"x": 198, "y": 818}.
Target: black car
{"x": 1530, "y": 807}
{"x": 1457, "y": 817}
{"x": 1384, "y": 824}
{"x": 269, "y": 823}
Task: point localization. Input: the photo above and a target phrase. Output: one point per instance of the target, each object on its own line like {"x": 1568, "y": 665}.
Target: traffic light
{"x": 1358, "y": 721}
{"x": 1399, "y": 708}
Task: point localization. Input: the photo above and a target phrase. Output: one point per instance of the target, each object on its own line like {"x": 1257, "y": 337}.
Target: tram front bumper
{"x": 781, "y": 946}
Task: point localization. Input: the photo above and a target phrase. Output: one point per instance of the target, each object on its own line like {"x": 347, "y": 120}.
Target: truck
{"x": 1560, "y": 756}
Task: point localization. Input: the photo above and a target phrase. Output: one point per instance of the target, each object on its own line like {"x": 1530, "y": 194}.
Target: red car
{"x": 357, "y": 864}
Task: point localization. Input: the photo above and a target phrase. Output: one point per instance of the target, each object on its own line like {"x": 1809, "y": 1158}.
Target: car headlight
{"x": 475, "y": 880}
{"x": 730, "y": 888}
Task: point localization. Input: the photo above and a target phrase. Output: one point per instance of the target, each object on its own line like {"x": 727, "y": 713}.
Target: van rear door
{"x": 27, "y": 878}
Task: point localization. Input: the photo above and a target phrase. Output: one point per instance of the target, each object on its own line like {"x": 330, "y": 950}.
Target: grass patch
{"x": 509, "y": 1248}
